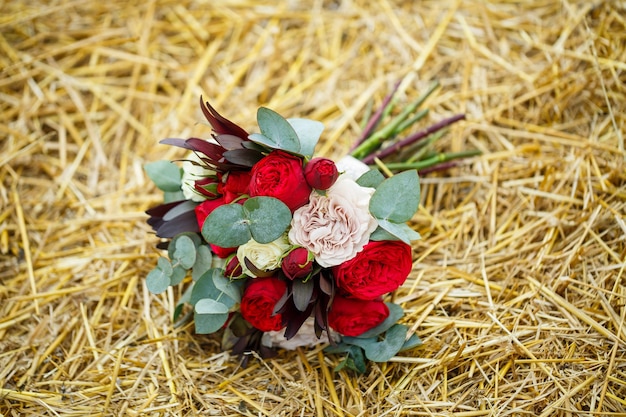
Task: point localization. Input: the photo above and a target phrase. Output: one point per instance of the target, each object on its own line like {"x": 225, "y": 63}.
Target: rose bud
{"x": 297, "y": 264}
{"x": 321, "y": 173}
{"x": 233, "y": 268}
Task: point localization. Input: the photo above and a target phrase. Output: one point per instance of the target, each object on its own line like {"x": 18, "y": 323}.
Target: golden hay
{"x": 518, "y": 285}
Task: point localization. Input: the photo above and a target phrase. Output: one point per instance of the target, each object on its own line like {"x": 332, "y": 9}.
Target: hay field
{"x": 518, "y": 284}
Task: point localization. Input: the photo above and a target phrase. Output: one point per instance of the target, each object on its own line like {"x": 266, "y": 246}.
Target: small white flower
{"x": 264, "y": 256}
{"x": 337, "y": 226}
{"x": 191, "y": 173}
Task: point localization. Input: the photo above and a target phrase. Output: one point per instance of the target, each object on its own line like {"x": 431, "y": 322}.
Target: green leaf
{"x": 210, "y": 316}
{"x": 309, "y": 132}
{"x": 226, "y": 226}
{"x": 204, "y": 261}
{"x": 157, "y": 281}
{"x": 397, "y": 198}
{"x": 401, "y": 231}
{"x": 178, "y": 274}
{"x": 181, "y": 302}
{"x": 231, "y": 288}
{"x": 165, "y": 175}
{"x": 195, "y": 238}
{"x": 385, "y": 349}
{"x": 371, "y": 178}
{"x": 268, "y": 218}
{"x": 209, "y": 306}
{"x": 395, "y": 314}
{"x": 205, "y": 288}
{"x": 355, "y": 361}
{"x": 171, "y": 196}
{"x": 413, "y": 342}
{"x": 164, "y": 265}
{"x": 185, "y": 252}
{"x": 276, "y": 132}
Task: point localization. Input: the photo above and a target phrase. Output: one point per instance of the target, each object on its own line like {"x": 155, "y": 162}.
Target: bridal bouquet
{"x": 278, "y": 248}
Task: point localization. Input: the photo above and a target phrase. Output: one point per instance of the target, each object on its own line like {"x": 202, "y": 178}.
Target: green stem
{"x": 427, "y": 163}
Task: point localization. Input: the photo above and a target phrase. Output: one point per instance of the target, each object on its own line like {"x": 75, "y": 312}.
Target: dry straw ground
{"x": 518, "y": 284}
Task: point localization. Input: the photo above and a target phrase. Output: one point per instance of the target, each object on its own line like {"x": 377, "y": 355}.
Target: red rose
{"x": 352, "y": 317}
{"x": 381, "y": 267}
{"x": 202, "y": 212}
{"x": 321, "y": 173}
{"x": 258, "y": 302}
{"x": 237, "y": 184}
{"x": 280, "y": 175}
{"x": 297, "y": 264}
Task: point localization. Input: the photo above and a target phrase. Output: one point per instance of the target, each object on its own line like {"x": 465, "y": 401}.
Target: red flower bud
{"x": 207, "y": 187}
{"x": 321, "y": 173}
{"x": 233, "y": 268}
{"x": 297, "y": 264}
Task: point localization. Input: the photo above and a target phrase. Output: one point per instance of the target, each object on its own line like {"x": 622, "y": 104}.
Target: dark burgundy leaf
{"x": 211, "y": 150}
{"x": 162, "y": 209}
{"x": 229, "y": 142}
{"x": 186, "y": 222}
{"x": 181, "y": 143}
{"x": 244, "y": 157}
{"x": 220, "y": 124}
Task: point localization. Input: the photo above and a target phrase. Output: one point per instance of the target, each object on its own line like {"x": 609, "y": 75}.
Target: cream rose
{"x": 335, "y": 227}
{"x": 264, "y": 256}
{"x": 191, "y": 173}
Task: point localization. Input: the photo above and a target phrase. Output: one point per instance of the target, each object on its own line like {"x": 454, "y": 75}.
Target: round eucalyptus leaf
{"x": 157, "y": 281}
{"x": 268, "y": 218}
{"x": 184, "y": 251}
{"x": 226, "y": 226}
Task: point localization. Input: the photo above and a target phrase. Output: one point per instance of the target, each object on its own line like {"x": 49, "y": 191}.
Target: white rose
{"x": 264, "y": 256}
{"x": 337, "y": 226}
{"x": 305, "y": 337}
{"x": 191, "y": 173}
{"x": 351, "y": 167}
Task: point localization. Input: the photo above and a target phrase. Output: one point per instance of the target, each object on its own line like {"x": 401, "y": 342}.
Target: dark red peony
{"x": 237, "y": 184}
{"x": 280, "y": 175}
{"x": 258, "y": 302}
{"x": 321, "y": 173}
{"x": 381, "y": 267}
{"x": 352, "y": 317}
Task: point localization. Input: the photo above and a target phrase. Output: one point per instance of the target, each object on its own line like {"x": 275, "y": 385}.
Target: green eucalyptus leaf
{"x": 355, "y": 360}
{"x": 164, "y": 265}
{"x": 178, "y": 274}
{"x": 232, "y": 289}
{"x": 308, "y": 132}
{"x": 276, "y": 132}
{"x": 395, "y": 314}
{"x": 210, "y": 316}
{"x": 382, "y": 350}
{"x": 181, "y": 302}
{"x": 413, "y": 342}
{"x": 227, "y": 226}
{"x": 397, "y": 198}
{"x": 165, "y": 175}
{"x": 171, "y": 196}
{"x": 267, "y": 217}
{"x": 204, "y": 261}
{"x": 401, "y": 231}
{"x": 195, "y": 238}
{"x": 157, "y": 281}
{"x": 185, "y": 252}
{"x": 372, "y": 179}
{"x": 205, "y": 288}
